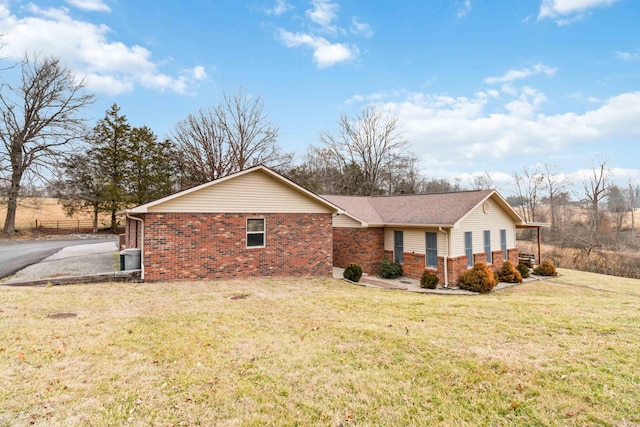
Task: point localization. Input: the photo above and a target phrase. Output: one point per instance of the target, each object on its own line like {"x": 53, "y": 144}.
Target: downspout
{"x": 539, "y": 245}
{"x": 446, "y": 254}
{"x": 141, "y": 243}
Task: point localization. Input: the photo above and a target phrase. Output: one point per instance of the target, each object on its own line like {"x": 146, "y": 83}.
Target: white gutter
{"x": 446, "y": 254}
{"x": 141, "y": 243}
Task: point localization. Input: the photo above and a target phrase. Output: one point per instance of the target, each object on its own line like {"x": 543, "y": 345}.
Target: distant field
{"x": 41, "y": 209}
{"x": 321, "y": 352}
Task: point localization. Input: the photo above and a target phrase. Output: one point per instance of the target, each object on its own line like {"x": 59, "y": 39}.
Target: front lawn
{"x": 321, "y": 352}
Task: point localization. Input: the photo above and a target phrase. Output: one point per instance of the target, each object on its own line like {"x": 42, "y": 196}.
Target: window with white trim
{"x": 503, "y": 243}
{"x": 487, "y": 246}
{"x": 398, "y": 246}
{"x": 255, "y": 232}
{"x": 468, "y": 248}
{"x": 432, "y": 249}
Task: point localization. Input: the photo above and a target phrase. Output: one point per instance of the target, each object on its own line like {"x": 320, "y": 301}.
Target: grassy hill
{"x": 321, "y": 352}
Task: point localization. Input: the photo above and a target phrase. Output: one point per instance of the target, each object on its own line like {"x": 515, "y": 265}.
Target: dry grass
{"x": 624, "y": 263}
{"x": 41, "y": 209}
{"x": 320, "y": 352}
{"x": 30, "y": 209}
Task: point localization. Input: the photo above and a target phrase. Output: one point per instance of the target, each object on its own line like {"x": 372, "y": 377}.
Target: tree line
{"x": 111, "y": 165}
{"x": 592, "y": 218}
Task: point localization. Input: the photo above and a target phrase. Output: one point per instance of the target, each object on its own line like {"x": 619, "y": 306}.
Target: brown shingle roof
{"x": 443, "y": 209}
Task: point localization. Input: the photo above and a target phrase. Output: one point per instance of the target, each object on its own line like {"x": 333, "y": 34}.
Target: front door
{"x": 398, "y": 246}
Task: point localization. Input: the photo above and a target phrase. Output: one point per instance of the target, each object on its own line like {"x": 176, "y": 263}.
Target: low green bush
{"x": 428, "y": 280}
{"x": 390, "y": 269}
{"x": 524, "y": 270}
{"x": 353, "y": 272}
{"x": 509, "y": 274}
{"x": 479, "y": 279}
{"x": 546, "y": 268}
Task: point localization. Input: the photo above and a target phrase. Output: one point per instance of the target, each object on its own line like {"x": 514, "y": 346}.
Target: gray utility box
{"x": 132, "y": 259}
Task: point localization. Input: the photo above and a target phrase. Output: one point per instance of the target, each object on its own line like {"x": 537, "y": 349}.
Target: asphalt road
{"x": 16, "y": 255}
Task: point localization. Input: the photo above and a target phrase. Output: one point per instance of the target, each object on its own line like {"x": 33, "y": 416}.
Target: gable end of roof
{"x": 256, "y": 169}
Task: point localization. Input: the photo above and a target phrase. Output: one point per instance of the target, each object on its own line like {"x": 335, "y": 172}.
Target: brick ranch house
{"x": 257, "y": 223}
{"x": 252, "y": 223}
{"x": 443, "y": 233}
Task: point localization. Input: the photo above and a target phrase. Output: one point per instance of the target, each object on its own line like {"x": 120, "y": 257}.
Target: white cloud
{"x": 109, "y": 66}
{"x": 454, "y": 130}
{"x": 513, "y": 75}
{"x": 566, "y": 11}
{"x": 527, "y": 103}
{"x": 323, "y": 13}
{"x": 107, "y": 84}
{"x": 355, "y": 99}
{"x": 363, "y": 28}
{"x": 376, "y": 96}
{"x": 321, "y": 26}
{"x": 325, "y": 54}
{"x": 278, "y": 9}
{"x": 627, "y": 56}
{"x": 464, "y": 9}
{"x": 199, "y": 73}
{"x": 90, "y": 5}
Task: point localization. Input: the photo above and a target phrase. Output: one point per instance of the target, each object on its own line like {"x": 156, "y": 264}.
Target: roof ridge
{"x": 410, "y": 194}
{"x": 431, "y": 194}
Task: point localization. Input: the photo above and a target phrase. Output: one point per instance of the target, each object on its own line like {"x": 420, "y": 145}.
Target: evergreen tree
{"x": 153, "y": 166}
{"x": 83, "y": 187}
{"x": 111, "y": 149}
{"x": 122, "y": 167}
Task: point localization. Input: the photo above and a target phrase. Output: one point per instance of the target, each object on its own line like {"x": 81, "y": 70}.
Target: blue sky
{"x": 478, "y": 85}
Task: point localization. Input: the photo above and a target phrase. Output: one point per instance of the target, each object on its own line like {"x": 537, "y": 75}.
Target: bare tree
{"x": 555, "y": 184}
{"x": 373, "y": 142}
{"x": 596, "y": 186}
{"x": 618, "y": 207}
{"x": 234, "y": 135}
{"x": 483, "y": 181}
{"x": 320, "y": 176}
{"x": 39, "y": 118}
{"x": 528, "y": 186}
{"x": 440, "y": 185}
{"x": 201, "y": 146}
{"x": 632, "y": 196}
{"x": 251, "y": 137}
{"x": 403, "y": 176}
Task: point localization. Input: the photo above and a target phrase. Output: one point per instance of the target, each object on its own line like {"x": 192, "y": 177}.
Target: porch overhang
{"x": 537, "y": 226}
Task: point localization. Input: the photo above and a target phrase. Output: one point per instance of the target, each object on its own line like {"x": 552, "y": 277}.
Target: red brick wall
{"x": 455, "y": 268}
{"x": 362, "y": 246}
{"x": 512, "y": 254}
{"x": 413, "y": 265}
{"x": 479, "y": 257}
{"x": 498, "y": 259}
{"x": 180, "y": 246}
{"x": 132, "y": 234}
{"x": 440, "y": 271}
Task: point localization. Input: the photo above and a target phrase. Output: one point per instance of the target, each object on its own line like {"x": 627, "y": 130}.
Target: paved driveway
{"x": 15, "y": 255}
